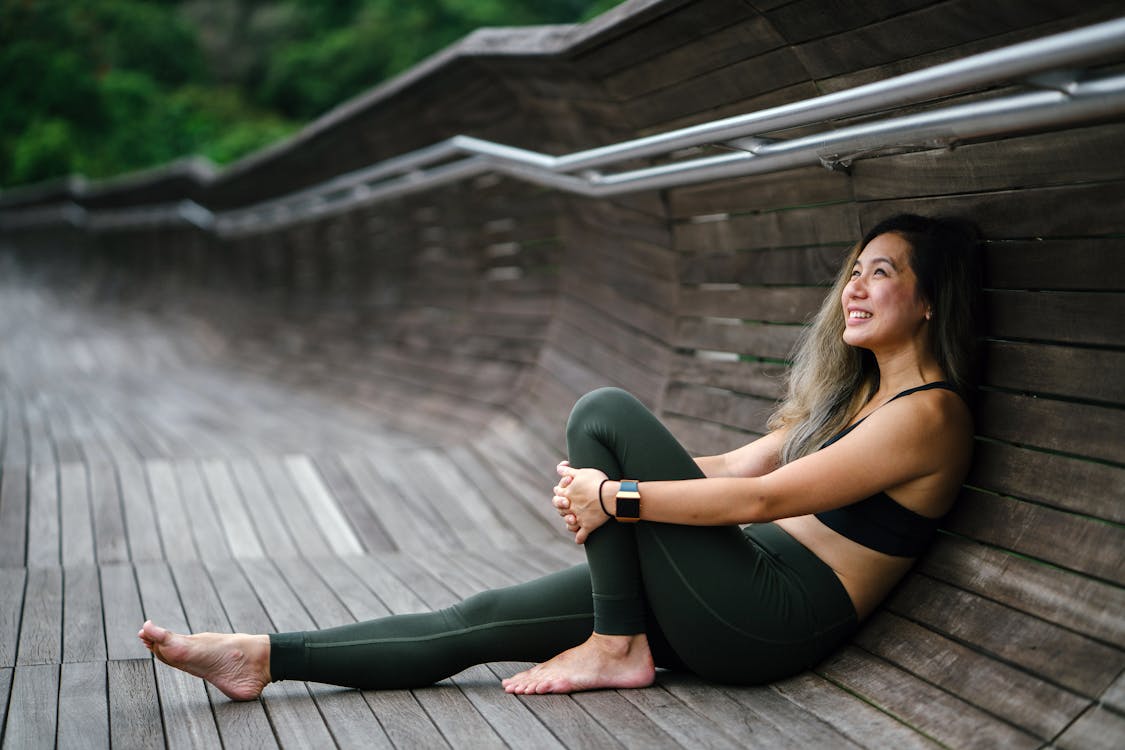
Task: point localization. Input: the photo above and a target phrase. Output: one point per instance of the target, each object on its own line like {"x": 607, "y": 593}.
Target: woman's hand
{"x": 576, "y": 500}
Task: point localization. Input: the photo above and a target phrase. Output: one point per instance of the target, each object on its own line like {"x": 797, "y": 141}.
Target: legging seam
{"x": 695, "y": 595}
{"x": 452, "y": 633}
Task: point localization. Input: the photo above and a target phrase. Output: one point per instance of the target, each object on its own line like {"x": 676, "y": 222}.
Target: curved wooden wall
{"x": 493, "y": 299}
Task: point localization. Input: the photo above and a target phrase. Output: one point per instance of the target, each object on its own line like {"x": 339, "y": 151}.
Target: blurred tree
{"x": 105, "y": 86}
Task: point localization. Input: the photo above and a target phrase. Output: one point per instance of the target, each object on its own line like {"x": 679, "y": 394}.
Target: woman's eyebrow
{"x": 878, "y": 258}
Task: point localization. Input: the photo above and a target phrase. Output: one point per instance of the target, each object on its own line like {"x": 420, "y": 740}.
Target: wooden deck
{"x": 149, "y": 472}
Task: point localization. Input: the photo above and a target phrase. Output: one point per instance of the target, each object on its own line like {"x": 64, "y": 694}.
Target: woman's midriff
{"x": 867, "y": 575}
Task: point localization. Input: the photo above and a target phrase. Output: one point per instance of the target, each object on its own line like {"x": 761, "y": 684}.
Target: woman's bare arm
{"x": 923, "y": 443}
{"x": 751, "y": 460}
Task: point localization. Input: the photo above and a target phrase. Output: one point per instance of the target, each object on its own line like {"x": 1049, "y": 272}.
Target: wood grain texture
{"x": 32, "y": 708}
{"x": 83, "y": 720}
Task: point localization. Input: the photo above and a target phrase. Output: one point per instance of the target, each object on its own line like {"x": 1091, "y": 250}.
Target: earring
{"x": 929, "y": 314}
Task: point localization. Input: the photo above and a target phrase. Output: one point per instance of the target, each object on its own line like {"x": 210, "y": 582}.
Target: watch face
{"x": 628, "y": 507}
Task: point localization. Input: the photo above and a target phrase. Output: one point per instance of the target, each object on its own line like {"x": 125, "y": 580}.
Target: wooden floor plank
{"x": 323, "y": 507}
{"x": 13, "y": 515}
{"x": 202, "y": 517}
{"x": 83, "y": 631}
{"x": 32, "y": 708}
{"x": 233, "y": 516}
{"x": 856, "y": 719}
{"x": 11, "y": 608}
{"x": 929, "y": 710}
{"x": 5, "y": 692}
{"x": 1097, "y": 729}
{"x": 134, "y": 704}
{"x": 77, "y": 528}
{"x": 123, "y": 613}
{"x": 139, "y": 512}
{"x": 43, "y": 516}
{"x": 272, "y": 529}
{"x": 111, "y": 543}
{"x": 368, "y": 527}
{"x": 83, "y": 706}
{"x": 41, "y": 624}
{"x": 306, "y": 534}
{"x": 349, "y": 718}
{"x": 170, "y": 516}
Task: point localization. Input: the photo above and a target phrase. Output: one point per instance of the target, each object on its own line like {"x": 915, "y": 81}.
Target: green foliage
{"x": 100, "y": 87}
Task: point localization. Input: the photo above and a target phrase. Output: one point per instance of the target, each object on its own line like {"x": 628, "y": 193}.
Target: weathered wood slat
{"x": 83, "y": 628}
{"x": 297, "y": 516}
{"x": 1064, "y": 371}
{"x": 778, "y": 305}
{"x": 83, "y": 720}
{"x": 1084, "y": 210}
{"x": 855, "y": 718}
{"x": 1091, "y": 608}
{"x": 43, "y": 535}
{"x": 725, "y": 407}
{"x": 1077, "y": 429}
{"x": 754, "y": 339}
{"x": 722, "y": 47}
{"x": 122, "y": 611}
{"x": 1001, "y": 690}
{"x": 1092, "y": 547}
{"x": 1029, "y": 161}
{"x": 1077, "y": 264}
{"x": 267, "y": 519}
{"x": 1071, "y": 660}
{"x": 1097, "y": 729}
{"x": 926, "y": 29}
{"x": 134, "y": 709}
{"x": 41, "y": 625}
{"x": 235, "y": 520}
{"x": 820, "y": 225}
{"x": 789, "y": 189}
{"x": 32, "y": 707}
{"x": 925, "y": 708}
{"x": 1071, "y": 317}
{"x": 111, "y": 543}
{"x": 77, "y": 530}
{"x": 756, "y": 716}
{"x": 811, "y": 265}
{"x": 169, "y": 512}
{"x": 11, "y": 607}
{"x": 13, "y": 515}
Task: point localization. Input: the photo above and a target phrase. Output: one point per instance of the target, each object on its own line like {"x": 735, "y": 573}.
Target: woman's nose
{"x": 857, "y": 287}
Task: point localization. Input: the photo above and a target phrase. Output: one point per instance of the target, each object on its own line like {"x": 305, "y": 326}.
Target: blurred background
{"x": 100, "y": 87}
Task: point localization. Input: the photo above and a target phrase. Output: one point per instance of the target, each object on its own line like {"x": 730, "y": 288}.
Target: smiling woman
{"x": 866, "y": 454}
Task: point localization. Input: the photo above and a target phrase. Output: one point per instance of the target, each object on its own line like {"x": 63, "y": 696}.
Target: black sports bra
{"x": 878, "y": 522}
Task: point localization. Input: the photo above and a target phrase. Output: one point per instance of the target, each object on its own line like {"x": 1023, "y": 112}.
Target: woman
{"x": 865, "y": 455}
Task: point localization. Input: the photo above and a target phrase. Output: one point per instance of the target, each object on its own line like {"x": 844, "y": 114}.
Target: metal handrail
{"x": 1066, "y": 100}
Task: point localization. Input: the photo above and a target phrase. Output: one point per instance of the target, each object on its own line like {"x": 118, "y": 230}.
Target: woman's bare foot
{"x": 603, "y": 661}
{"x": 237, "y": 664}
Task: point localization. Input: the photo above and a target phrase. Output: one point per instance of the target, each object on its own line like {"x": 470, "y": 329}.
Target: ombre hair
{"x": 830, "y": 381}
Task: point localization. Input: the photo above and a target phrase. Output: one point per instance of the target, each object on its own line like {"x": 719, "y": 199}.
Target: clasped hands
{"x": 576, "y": 500}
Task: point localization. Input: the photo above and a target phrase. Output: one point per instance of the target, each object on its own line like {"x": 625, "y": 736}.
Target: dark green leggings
{"x": 733, "y": 606}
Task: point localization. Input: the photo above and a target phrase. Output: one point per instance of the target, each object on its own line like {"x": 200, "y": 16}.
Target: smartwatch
{"x": 628, "y": 501}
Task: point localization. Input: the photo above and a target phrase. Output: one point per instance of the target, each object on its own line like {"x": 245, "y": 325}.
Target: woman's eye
{"x": 880, "y": 271}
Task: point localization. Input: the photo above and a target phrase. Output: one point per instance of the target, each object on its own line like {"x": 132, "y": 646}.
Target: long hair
{"x": 830, "y": 381}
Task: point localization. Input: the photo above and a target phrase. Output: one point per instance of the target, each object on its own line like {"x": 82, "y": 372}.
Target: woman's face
{"x": 882, "y": 306}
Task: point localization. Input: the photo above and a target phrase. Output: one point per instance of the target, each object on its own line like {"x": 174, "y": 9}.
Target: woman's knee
{"x": 599, "y": 405}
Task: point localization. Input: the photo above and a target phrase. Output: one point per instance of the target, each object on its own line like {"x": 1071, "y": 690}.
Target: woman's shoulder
{"x": 936, "y": 420}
